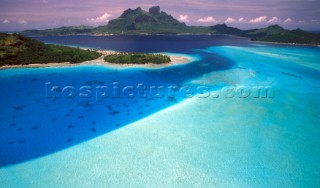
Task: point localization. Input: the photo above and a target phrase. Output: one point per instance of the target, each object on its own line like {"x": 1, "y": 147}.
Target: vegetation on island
{"x": 276, "y": 33}
{"x": 224, "y": 29}
{"x": 61, "y": 31}
{"x": 154, "y": 21}
{"x": 137, "y": 58}
{"x": 136, "y": 21}
{"x": 16, "y": 49}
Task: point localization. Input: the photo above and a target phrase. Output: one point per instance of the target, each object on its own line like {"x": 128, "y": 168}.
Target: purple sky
{"x": 245, "y": 14}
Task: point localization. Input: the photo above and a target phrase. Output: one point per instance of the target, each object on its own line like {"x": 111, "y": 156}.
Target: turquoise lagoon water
{"x": 167, "y": 141}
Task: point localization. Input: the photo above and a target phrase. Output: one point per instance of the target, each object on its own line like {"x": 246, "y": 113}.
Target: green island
{"x": 137, "y": 58}
{"x": 16, "y": 49}
{"x": 276, "y": 33}
{"x": 154, "y": 21}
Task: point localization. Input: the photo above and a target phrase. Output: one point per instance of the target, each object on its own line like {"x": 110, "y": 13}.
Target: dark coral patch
{"x": 35, "y": 127}
{"x": 114, "y": 112}
{"x": 21, "y": 141}
{"x": 85, "y": 104}
{"x": 21, "y": 107}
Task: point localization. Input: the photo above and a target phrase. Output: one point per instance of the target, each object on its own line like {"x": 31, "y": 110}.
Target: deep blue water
{"x": 183, "y": 44}
{"x": 34, "y": 125}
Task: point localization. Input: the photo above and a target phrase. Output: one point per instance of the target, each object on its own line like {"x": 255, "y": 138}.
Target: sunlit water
{"x": 166, "y": 141}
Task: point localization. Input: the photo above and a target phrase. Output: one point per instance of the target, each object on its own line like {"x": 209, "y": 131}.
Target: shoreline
{"x": 175, "y": 60}
{"x": 282, "y": 43}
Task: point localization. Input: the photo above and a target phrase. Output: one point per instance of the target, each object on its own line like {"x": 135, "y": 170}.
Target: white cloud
{"x": 229, "y": 20}
{"x": 288, "y": 20}
{"x": 241, "y": 19}
{"x": 23, "y": 22}
{"x": 6, "y": 21}
{"x": 104, "y": 18}
{"x": 184, "y": 18}
{"x": 259, "y": 19}
{"x": 209, "y": 19}
{"x": 274, "y": 20}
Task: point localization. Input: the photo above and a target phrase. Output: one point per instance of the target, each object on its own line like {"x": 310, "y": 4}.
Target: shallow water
{"x": 216, "y": 140}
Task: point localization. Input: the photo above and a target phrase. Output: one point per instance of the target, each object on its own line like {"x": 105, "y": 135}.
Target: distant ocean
{"x": 231, "y": 138}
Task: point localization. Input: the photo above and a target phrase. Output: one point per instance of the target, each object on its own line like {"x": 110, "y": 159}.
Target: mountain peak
{"x": 155, "y": 10}
{"x": 276, "y": 26}
{"x": 222, "y": 25}
{"x": 129, "y": 12}
{"x": 139, "y": 9}
{"x": 224, "y": 29}
{"x": 138, "y": 20}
